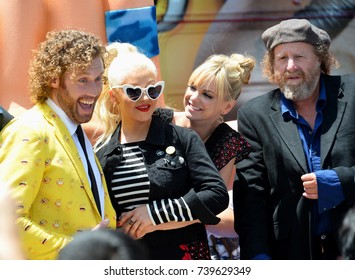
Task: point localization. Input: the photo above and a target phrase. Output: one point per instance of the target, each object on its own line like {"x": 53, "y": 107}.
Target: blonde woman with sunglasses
{"x": 162, "y": 182}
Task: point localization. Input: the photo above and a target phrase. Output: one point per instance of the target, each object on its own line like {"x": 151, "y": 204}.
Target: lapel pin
{"x": 170, "y": 150}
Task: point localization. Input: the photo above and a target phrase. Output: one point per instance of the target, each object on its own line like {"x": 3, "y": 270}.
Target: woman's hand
{"x": 137, "y": 222}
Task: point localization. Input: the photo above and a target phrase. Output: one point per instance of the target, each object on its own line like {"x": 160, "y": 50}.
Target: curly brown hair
{"x": 72, "y": 50}
{"x": 327, "y": 61}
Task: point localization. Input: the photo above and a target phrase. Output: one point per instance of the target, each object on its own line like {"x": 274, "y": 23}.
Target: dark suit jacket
{"x": 5, "y": 117}
{"x": 271, "y": 215}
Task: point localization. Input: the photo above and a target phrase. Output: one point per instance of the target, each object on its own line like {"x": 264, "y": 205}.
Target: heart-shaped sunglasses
{"x": 136, "y": 92}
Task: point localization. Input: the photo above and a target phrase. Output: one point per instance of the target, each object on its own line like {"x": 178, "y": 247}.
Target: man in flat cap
{"x": 291, "y": 192}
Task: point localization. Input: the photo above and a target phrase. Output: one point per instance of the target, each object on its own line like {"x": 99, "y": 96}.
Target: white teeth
{"x": 87, "y": 101}
{"x": 195, "y": 108}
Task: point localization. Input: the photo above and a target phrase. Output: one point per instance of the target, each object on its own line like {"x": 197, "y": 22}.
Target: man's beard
{"x": 300, "y": 91}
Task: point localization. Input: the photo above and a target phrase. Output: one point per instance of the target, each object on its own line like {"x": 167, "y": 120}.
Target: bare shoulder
{"x": 179, "y": 118}
{"x": 233, "y": 124}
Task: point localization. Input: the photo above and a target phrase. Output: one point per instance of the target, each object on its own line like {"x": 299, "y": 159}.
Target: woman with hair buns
{"x": 213, "y": 90}
{"x": 162, "y": 183}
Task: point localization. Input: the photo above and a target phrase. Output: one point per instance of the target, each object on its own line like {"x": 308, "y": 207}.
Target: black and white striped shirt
{"x": 130, "y": 187}
{"x": 130, "y": 182}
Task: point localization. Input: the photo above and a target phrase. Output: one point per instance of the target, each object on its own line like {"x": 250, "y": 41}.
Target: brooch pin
{"x": 170, "y": 150}
{"x": 159, "y": 153}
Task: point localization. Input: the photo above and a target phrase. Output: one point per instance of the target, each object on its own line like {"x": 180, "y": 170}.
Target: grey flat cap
{"x": 294, "y": 30}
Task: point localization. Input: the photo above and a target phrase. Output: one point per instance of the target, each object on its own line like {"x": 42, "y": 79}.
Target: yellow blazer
{"x": 39, "y": 161}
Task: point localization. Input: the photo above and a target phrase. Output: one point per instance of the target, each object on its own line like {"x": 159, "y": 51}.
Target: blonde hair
{"x": 228, "y": 72}
{"x": 124, "y": 60}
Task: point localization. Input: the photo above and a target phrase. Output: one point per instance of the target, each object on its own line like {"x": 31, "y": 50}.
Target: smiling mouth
{"x": 86, "y": 103}
{"x": 194, "y": 107}
{"x": 143, "y": 108}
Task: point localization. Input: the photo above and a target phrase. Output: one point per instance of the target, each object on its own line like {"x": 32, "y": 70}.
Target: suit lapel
{"x": 66, "y": 141}
{"x": 332, "y": 115}
{"x": 289, "y": 134}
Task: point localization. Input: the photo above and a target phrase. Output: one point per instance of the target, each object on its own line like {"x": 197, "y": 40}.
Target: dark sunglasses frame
{"x": 131, "y": 91}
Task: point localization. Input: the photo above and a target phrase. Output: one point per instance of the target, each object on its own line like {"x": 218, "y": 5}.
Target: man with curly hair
{"x": 52, "y": 175}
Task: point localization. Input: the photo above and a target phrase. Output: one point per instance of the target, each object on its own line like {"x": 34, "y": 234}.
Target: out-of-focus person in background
{"x": 103, "y": 244}
{"x": 346, "y": 236}
{"x": 10, "y": 245}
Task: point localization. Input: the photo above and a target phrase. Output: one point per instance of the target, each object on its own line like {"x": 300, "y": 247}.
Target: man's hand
{"x": 310, "y": 186}
{"x": 103, "y": 224}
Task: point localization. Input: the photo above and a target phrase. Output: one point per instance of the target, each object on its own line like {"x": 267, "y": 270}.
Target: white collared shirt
{"x": 71, "y": 126}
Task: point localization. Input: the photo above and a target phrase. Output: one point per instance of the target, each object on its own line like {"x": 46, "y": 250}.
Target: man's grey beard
{"x": 299, "y": 92}
{"x": 303, "y": 90}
